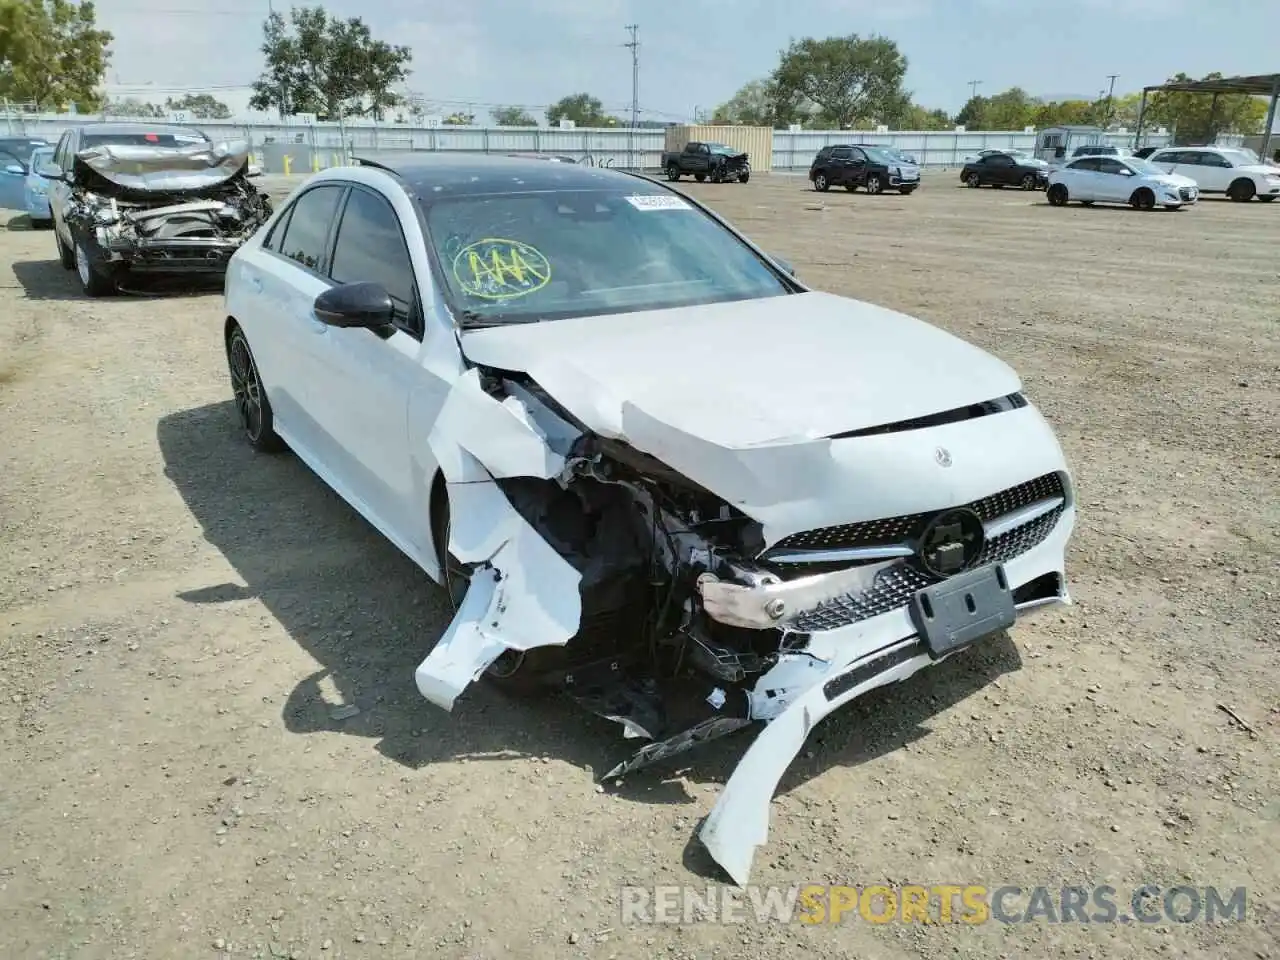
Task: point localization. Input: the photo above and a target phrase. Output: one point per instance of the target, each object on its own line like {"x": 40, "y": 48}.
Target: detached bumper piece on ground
{"x": 159, "y": 210}
{"x": 688, "y": 577}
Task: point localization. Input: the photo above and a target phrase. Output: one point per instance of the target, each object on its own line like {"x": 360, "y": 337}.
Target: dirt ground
{"x": 179, "y": 619}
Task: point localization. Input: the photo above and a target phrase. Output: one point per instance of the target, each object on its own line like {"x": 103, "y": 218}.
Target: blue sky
{"x": 695, "y": 53}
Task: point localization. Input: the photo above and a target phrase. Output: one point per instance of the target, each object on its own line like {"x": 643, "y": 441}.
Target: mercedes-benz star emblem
{"x": 952, "y": 542}
{"x": 943, "y": 456}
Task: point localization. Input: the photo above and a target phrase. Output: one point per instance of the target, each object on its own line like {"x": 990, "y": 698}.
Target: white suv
{"x": 1235, "y": 171}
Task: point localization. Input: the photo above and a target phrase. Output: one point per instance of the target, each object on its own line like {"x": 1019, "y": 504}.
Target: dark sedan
{"x": 1003, "y": 170}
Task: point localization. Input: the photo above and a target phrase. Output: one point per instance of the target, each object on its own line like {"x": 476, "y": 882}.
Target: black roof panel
{"x": 452, "y": 174}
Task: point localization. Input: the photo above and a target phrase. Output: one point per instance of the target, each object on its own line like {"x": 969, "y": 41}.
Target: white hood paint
{"x": 748, "y": 374}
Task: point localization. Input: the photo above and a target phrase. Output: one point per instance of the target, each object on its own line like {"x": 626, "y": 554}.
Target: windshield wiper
{"x": 472, "y": 320}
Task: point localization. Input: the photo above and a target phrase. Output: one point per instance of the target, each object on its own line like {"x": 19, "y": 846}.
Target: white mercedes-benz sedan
{"x": 643, "y": 458}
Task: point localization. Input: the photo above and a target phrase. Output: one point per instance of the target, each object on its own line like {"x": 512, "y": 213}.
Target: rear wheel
{"x": 974, "y": 180}
{"x": 1143, "y": 199}
{"x": 1057, "y": 195}
{"x": 673, "y": 173}
{"x": 1242, "y": 191}
{"x": 252, "y": 406}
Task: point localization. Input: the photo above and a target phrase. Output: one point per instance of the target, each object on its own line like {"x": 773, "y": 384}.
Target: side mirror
{"x": 15, "y": 169}
{"x": 786, "y": 265}
{"x": 361, "y": 304}
{"x": 49, "y": 172}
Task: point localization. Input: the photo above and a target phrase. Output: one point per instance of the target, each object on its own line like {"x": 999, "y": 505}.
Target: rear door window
{"x": 306, "y": 237}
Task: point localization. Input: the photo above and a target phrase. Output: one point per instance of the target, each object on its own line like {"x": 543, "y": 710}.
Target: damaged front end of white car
{"x": 174, "y": 209}
{"x": 689, "y": 569}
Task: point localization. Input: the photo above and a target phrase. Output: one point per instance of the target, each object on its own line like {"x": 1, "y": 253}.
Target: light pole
{"x": 973, "y": 88}
{"x": 1106, "y": 110}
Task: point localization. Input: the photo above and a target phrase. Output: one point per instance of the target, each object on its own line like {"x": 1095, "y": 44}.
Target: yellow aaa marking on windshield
{"x": 499, "y": 269}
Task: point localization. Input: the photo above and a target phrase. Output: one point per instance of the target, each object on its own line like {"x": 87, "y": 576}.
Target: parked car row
{"x": 1171, "y": 177}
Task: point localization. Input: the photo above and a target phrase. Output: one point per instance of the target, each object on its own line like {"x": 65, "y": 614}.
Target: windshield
{"x": 1240, "y": 155}
{"x": 721, "y": 148}
{"x": 22, "y": 149}
{"x": 521, "y": 257}
{"x": 141, "y": 139}
{"x": 1143, "y": 167}
{"x": 880, "y": 155}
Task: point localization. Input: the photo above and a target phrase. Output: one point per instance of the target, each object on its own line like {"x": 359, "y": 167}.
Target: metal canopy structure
{"x": 1263, "y": 85}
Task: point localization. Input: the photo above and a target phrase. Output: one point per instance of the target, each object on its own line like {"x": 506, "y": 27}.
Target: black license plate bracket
{"x": 962, "y": 610}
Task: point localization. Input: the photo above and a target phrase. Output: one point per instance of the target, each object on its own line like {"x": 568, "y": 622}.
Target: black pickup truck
{"x": 703, "y": 160}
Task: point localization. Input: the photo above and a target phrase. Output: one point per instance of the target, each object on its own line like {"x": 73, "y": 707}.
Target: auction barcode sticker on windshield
{"x": 658, "y": 202}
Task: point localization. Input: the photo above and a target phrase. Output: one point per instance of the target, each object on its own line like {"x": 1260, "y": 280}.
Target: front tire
{"x": 1029, "y": 182}
{"x": 1057, "y": 195}
{"x": 1143, "y": 199}
{"x": 94, "y": 280}
{"x": 876, "y": 185}
{"x": 1242, "y": 191}
{"x": 516, "y": 672}
{"x": 744, "y": 177}
{"x": 252, "y": 406}
{"x": 65, "y": 255}
{"x": 821, "y": 183}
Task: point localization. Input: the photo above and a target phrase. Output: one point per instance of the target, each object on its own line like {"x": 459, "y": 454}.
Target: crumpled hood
{"x": 753, "y": 373}
{"x": 197, "y": 166}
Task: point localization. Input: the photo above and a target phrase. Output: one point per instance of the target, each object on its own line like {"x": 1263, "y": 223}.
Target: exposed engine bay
{"x": 598, "y": 568}
{"x": 153, "y": 209}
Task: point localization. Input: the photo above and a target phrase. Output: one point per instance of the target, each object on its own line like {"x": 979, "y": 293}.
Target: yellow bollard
{"x": 288, "y": 162}
{"x": 315, "y": 163}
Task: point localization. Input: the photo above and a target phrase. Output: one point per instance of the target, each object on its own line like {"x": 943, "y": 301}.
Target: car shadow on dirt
{"x": 368, "y": 616}
{"x": 49, "y": 280}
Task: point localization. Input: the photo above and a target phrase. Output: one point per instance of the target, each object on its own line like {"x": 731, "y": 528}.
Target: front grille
{"x": 896, "y": 585}
{"x": 1185, "y": 193}
{"x": 890, "y": 530}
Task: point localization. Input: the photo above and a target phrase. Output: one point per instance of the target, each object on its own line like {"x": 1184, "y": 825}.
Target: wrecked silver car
{"x": 654, "y": 470}
{"x": 131, "y": 199}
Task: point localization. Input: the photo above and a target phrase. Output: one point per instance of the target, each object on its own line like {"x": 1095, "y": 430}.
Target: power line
{"x": 973, "y": 88}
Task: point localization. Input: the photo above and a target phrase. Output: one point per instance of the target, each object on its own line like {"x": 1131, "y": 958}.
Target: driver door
{"x": 1001, "y": 169}
{"x": 856, "y": 171}
{"x": 1114, "y": 179}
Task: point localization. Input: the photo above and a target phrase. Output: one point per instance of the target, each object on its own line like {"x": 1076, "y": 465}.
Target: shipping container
{"x": 756, "y": 142}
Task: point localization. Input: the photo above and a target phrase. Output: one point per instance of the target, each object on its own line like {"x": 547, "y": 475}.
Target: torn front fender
{"x": 522, "y": 594}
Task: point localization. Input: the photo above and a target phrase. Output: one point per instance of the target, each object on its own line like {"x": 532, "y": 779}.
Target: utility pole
{"x": 1106, "y": 110}
{"x": 634, "y": 47}
{"x": 973, "y": 88}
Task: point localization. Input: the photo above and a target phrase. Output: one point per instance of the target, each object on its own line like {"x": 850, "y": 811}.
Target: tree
{"x": 583, "y": 109}
{"x": 1063, "y": 113}
{"x": 320, "y": 64}
{"x": 1196, "y": 118}
{"x": 850, "y": 79}
{"x": 512, "y": 117}
{"x": 1012, "y": 109}
{"x": 203, "y": 105}
{"x": 916, "y": 117}
{"x": 133, "y": 107}
{"x": 459, "y": 119}
{"x": 52, "y": 53}
{"x": 763, "y": 103}
{"x": 973, "y": 114}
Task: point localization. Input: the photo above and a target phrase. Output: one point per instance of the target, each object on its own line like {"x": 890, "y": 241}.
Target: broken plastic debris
{"x": 716, "y": 698}
{"x": 343, "y": 712}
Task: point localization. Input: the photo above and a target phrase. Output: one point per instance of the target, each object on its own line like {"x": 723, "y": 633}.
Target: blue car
{"x": 35, "y": 193}
{"x": 15, "y": 156}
